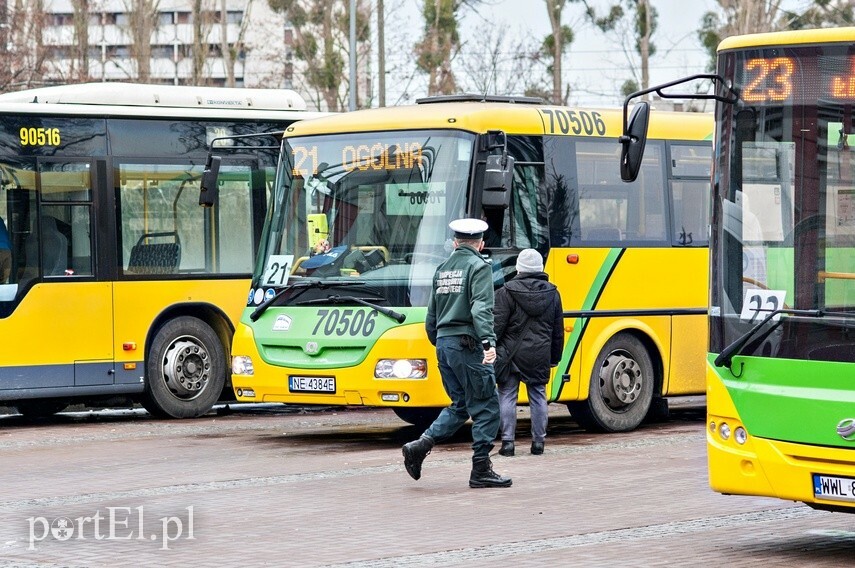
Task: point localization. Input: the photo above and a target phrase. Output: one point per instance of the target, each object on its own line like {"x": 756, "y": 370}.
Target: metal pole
{"x": 381, "y": 52}
{"x": 352, "y": 105}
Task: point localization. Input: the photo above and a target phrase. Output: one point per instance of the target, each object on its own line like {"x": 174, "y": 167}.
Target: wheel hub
{"x": 621, "y": 380}
{"x": 186, "y": 368}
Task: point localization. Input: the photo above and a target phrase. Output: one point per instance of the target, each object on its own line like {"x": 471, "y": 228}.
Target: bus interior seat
{"x": 54, "y": 248}
{"x": 602, "y": 234}
{"x": 155, "y": 258}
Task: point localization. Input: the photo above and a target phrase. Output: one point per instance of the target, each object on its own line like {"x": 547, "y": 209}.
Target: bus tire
{"x": 621, "y": 389}
{"x": 185, "y": 369}
{"x": 421, "y": 417}
{"x": 40, "y": 408}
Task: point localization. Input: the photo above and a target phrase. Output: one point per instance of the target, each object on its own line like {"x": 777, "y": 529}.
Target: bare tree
{"x": 142, "y": 23}
{"x": 320, "y": 41}
{"x": 555, "y": 45}
{"x": 80, "y": 53}
{"x": 497, "y": 65}
{"x": 632, "y": 24}
{"x": 440, "y": 43}
{"x": 231, "y": 50}
{"x": 24, "y": 58}
{"x": 201, "y": 22}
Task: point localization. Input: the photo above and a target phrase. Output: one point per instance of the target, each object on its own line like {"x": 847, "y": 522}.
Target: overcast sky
{"x": 595, "y": 64}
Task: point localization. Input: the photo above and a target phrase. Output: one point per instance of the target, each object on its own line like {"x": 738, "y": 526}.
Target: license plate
{"x": 833, "y": 488}
{"x": 311, "y": 384}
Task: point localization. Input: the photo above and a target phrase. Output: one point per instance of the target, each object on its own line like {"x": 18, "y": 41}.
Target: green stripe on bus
{"x": 590, "y": 303}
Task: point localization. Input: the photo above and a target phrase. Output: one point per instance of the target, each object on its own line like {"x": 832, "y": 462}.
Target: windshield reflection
{"x": 372, "y": 207}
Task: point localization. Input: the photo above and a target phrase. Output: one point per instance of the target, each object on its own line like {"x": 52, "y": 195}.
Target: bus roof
{"x": 795, "y": 37}
{"x": 175, "y": 96}
{"x": 479, "y": 117}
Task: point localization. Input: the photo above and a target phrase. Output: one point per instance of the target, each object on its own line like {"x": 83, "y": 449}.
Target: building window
{"x": 161, "y": 52}
{"x": 62, "y": 19}
{"x": 166, "y": 18}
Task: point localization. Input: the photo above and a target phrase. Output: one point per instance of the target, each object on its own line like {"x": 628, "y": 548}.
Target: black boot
{"x": 507, "y": 448}
{"x": 536, "y": 448}
{"x": 483, "y": 475}
{"x": 415, "y": 453}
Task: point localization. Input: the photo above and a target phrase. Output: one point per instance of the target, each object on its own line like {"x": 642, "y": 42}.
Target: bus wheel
{"x": 621, "y": 387}
{"x": 40, "y": 408}
{"x": 421, "y": 417}
{"x": 185, "y": 369}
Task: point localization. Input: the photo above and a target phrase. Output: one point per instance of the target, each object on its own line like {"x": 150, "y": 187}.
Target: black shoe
{"x": 483, "y": 475}
{"x": 415, "y": 453}
{"x": 536, "y": 448}
{"x": 507, "y": 448}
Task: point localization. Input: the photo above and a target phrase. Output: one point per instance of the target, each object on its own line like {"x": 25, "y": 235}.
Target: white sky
{"x": 595, "y": 65}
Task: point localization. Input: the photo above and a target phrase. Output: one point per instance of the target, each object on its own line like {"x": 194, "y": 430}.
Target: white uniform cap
{"x": 468, "y": 228}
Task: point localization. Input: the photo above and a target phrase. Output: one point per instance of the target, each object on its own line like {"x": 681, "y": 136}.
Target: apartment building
{"x": 185, "y": 45}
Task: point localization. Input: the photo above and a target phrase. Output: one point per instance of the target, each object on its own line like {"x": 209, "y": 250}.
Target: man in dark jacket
{"x": 529, "y": 327}
{"x": 459, "y": 323}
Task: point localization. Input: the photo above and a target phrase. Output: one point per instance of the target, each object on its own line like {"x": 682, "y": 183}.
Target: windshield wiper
{"x": 303, "y": 286}
{"x": 369, "y": 302}
{"x": 728, "y": 353}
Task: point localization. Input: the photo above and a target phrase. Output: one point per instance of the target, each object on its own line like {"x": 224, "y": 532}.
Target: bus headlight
{"x": 724, "y": 431}
{"x": 400, "y": 369}
{"x": 740, "y": 435}
{"x": 242, "y": 365}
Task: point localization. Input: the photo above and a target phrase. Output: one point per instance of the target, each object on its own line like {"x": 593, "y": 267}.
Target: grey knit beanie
{"x": 529, "y": 260}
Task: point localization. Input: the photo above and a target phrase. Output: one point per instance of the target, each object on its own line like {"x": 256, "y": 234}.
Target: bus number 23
{"x": 346, "y": 322}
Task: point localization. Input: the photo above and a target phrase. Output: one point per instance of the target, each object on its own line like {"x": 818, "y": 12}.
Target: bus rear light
{"x": 129, "y": 346}
{"x": 129, "y": 366}
{"x": 572, "y": 259}
{"x": 400, "y": 369}
{"x": 242, "y": 365}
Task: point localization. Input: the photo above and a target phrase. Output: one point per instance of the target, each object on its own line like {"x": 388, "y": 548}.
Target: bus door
{"x": 70, "y": 311}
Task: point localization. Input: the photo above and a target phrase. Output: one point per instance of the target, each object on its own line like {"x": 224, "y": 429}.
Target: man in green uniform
{"x": 460, "y": 324}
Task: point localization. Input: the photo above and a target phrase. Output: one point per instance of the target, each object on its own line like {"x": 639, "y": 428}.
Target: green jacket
{"x": 461, "y": 302}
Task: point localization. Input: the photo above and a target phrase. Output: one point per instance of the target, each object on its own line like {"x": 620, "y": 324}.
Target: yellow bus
{"x": 114, "y": 282}
{"x": 359, "y": 223}
{"x": 781, "y": 362}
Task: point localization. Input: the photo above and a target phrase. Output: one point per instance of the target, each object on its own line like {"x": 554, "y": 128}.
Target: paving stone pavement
{"x": 283, "y": 486}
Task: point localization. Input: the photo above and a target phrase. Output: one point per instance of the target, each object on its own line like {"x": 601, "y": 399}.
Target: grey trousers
{"x": 508, "y": 394}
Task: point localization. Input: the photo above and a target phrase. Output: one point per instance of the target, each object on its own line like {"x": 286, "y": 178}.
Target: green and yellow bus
{"x": 118, "y": 285}
{"x": 359, "y": 223}
{"x": 780, "y": 372}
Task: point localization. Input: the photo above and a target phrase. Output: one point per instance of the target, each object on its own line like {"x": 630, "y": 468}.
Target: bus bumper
{"x": 350, "y": 386}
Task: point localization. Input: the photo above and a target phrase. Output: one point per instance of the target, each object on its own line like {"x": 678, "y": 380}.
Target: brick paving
{"x": 276, "y": 486}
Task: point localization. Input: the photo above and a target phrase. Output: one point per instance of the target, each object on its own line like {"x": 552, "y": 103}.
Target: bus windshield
{"x": 785, "y": 199}
{"x": 369, "y": 207}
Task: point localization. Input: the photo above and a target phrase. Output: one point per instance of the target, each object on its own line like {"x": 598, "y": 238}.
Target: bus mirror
{"x": 210, "y": 191}
{"x": 498, "y": 178}
{"x": 633, "y": 140}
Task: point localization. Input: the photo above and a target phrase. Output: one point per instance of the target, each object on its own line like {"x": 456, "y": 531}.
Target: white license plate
{"x": 311, "y": 384}
{"x": 833, "y": 488}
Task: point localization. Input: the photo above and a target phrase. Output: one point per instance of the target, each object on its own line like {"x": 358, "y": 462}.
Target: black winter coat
{"x": 529, "y": 295}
